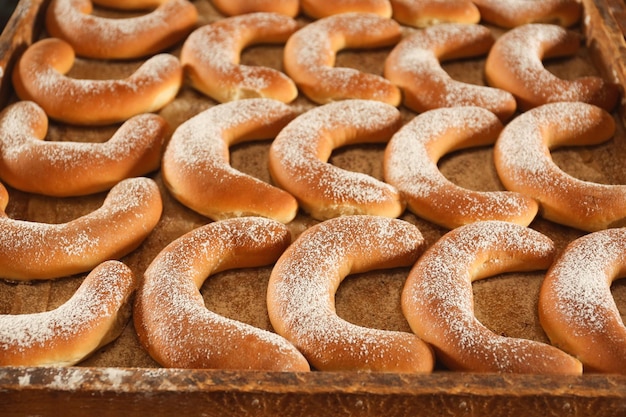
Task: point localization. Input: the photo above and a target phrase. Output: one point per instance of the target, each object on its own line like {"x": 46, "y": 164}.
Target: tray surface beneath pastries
{"x": 124, "y": 377}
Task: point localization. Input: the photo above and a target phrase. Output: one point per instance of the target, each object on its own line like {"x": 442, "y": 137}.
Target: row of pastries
{"x": 308, "y": 222}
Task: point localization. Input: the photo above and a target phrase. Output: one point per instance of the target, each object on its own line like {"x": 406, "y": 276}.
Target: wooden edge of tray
{"x": 605, "y": 29}
{"x": 135, "y": 391}
{"x": 19, "y": 33}
{"x": 77, "y": 391}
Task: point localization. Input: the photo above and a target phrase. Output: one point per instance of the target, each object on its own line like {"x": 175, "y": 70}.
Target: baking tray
{"x": 121, "y": 379}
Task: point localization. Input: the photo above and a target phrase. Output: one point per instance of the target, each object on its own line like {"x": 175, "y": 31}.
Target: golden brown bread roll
{"x": 298, "y": 159}
{"x": 410, "y": 165}
{"x": 576, "y": 307}
{"x": 211, "y": 54}
{"x": 437, "y": 299}
{"x": 515, "y": 64}
{"x": 39, "y": 76}
{"x": 425, "y": 13}
{"x": 64, "y": 168}
{"x": 301, "y": 295}
{"x": 196, "y": 166}
{"x": 170, "y": 316}
{"x": 129, "y": 37}
{"x": 310, "y": 53}
{"x": 93, "y": 317}
{"x": 414, "y": 66}
{"x": 318, "y": 9}
{"x": 129, "y": 4}
{"x": 523, "y": 163}
{"x": 35, "y": 251}
{"x": 513, "y": 13}
{"x": 240, "y": 7}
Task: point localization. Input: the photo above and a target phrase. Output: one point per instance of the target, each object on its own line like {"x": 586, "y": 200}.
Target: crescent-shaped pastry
{"x": 35, "y": 251}
{"x": 318, "y": 9}
{"x": 211, "y": 54}
{"x": 129, "y": 4}
{"x": 130, "y": 37}
{"x": 513, "y": 13}
{"x": 410, "y": 165}
{"x": 240, "y": 7}
{"x": 64, "y": 168}
{"x": 93, "y": 317}
{"x": 196, "y": 166}
{"x": 515, "y": 64}
{"x": 39, "y": 76}
{"x": 310, "y": 54}
{"x": 523, "y": 162}
{"x": 426, "y": 13}
{"x": 298, "y": 159}
{"x": 414, "y": 66}
{"x": 170, "y": 316}
{"x": 303, "y": 283}
{"x": 576, "y": 307}
{"x": 437, "y": 299}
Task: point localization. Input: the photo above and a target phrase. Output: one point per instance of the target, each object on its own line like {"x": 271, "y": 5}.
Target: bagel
{"x": 426, "y": 13}
{"x": 302, "y": 287}
{"x": 318, "y": 9}
{"x": 576, "y": 308}
{"x": 93, "y": 317}
{"x": 310, "y": 53}
{"x": 515, "y": 64}
{"x": 512, "y": 13}
{"x": 62, "y": 169}
{"x": 211, "y": 54}
{"x": 37, "y": 251}
{"x": 39, "y": 76}
{"x": 437, "y": 299}
{"x": 523, "y": 163}
{"x": 414, "y": 66}
{"x": 410, "y": 165}
{"x": 130, "y": 37}
{"x": 196, "y": 167}
{"x": 170, "y": 317}
{"x": 240, "y": 7}
{"x": 298, "y": 159}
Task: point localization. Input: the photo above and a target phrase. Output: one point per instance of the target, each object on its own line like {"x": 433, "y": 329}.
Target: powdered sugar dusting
{"x": 41, "y": 241}
{"x": 315, "y": 45}
{"x": 522, "y": 50}
{"x": 425, "y": 47}
{"x": 215, "y": 50}
{"x": 108, "y": 31}
{"x": 440, "y": 286}
{"x": 414, "y": 65}
{"x": 310, "y": 55}
{"x": 71, "y": 244}
{"x": 581, "y": 279}
{"x": 136, "y": 36}
{"x": 306, "y": 277}
{"x": 23, "y": 152}
{"x": 411, "y": 166}
{"x": 174, "y": 277}
{"x": 517, "y": 12}
{"x": 85, "y": 101}
{"x": 204, "y": 138}
{"x": 301, "y": 150}
{"x": 50, "y": 83}
{"x": 522, "y": 151}
{"x": 99, "y": 297}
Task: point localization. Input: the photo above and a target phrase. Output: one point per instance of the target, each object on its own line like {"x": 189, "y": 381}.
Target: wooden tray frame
{"x": 75, "y": 391}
